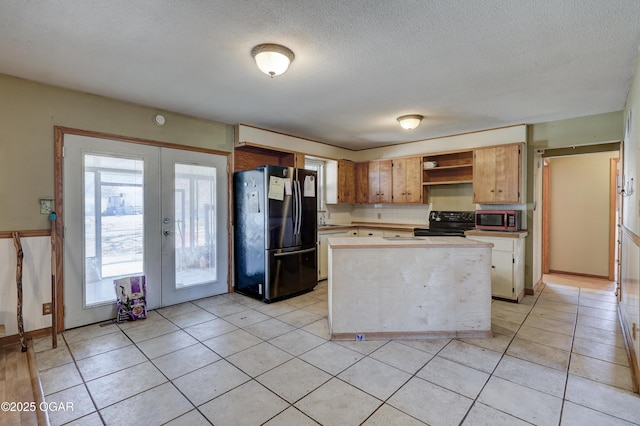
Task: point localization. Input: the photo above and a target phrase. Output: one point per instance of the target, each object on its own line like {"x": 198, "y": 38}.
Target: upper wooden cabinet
{"x": 407, "y": 184}
{"x": 346, "y": 182}
{"x": 362, "y": 183}
{"x": 248, "y": 157}
{"x": 380, "y": 181}
{"x": 341, "y": 182}
{"x": 497, "y": 174}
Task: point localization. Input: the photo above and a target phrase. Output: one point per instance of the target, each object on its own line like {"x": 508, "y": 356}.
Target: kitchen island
{"x": 415, "y": 287}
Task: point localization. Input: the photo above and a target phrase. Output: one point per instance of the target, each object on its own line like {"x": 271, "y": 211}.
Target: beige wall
{"x": 28, "y": 113}
{"x": 579, "y": 213}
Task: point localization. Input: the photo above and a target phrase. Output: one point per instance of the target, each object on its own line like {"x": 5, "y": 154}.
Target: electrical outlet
{"x": 379, "y": 215}
{"x": 46, "y": 308}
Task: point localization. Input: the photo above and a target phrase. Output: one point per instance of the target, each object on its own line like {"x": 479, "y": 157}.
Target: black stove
{"x": 447, "y": 224}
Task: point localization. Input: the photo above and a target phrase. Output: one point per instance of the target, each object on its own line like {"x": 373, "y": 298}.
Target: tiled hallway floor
{"x": 556, "y": 358}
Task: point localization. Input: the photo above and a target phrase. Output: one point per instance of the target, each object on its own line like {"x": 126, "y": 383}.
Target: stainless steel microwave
{"x": 498, "y": 220}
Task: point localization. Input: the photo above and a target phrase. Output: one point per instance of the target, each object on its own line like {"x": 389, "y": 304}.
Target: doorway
{"x": 580, "y": 211}
{"x": 139, "y": 209}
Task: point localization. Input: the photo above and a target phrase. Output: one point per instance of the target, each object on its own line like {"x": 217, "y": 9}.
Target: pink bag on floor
{"x": 131, "y": 293}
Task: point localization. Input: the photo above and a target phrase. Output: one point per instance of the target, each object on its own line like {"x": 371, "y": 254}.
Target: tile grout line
{"x": 573, "y": 338}
{"x": 475, "y": 400}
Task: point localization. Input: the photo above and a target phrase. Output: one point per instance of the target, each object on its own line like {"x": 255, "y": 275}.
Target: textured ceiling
{"x": 464, "y": 65}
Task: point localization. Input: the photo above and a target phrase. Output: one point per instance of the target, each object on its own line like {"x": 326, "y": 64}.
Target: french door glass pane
{"x": 113, "y": 223}
{"x": 195, "y": 225}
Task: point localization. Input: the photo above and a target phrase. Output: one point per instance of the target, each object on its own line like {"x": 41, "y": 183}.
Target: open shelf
{"x": 451, "y": 168}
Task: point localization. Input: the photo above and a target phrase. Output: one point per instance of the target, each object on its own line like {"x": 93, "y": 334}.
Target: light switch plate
{"x": 46, "y": 205}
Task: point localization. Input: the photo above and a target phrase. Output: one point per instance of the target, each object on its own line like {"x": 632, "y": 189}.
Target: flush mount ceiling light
{"x": 410, "y": 122}
{"x": 272, "y": 59}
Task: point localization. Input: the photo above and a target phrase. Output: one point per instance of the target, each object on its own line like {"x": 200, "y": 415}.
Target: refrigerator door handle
{"x": 295, "y": 208}
{"x": 291, "y": 253}
{"x": 298, "y": 227}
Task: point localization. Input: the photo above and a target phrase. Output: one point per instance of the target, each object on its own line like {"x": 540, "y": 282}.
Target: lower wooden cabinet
{"x": 507, "y": 273}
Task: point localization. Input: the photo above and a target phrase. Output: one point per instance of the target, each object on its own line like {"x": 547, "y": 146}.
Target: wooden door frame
{"x": 59, "y": 133}
{"x": 546, "y": 182}
{"x": 614, "y": 204}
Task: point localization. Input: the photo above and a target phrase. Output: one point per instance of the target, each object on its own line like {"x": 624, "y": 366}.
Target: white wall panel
{"x": 36, "y": 283}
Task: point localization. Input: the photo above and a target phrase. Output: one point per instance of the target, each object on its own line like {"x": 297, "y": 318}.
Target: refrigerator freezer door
{"x": 290, "y": 272}
{"x": 280, "y": 210}
{"x": 308, "y": 188}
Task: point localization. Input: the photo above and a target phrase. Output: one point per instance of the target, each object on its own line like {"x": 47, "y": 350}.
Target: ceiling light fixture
{"x": 272, "y": 59}
{"x": 410, "y": 122}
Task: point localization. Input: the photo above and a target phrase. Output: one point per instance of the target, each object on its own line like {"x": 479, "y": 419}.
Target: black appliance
{"x": 447, "y": 224}
{"x": 275, "y": 232}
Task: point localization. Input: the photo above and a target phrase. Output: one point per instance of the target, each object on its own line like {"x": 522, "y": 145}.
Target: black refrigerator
{"x": 275, "y": 232}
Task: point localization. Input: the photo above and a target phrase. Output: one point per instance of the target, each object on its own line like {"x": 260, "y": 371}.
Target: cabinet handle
{"x": 493, "y": 267}
{"x": 499, "y": 190}
{"x": 492, "y": 190}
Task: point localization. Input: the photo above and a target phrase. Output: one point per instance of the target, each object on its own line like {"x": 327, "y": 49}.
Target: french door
{"x": 133, "y": 209}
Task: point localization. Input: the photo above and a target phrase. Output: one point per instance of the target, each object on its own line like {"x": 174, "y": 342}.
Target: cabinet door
{"x": 484, "y": 175}
{"x": 384, "y": 181}
{"x": 502, "y": 274}
{"x": 507, "y": 181}
{"x": 346, "y": 182}
{"x": 414, "y": 179}
{"x": 399, "y": 180}
{"x": 362, "y": 183}
{"x": 497, "y": 174}
{"x": 374, "y": 181}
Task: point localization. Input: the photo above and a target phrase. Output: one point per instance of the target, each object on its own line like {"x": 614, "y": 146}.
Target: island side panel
{"x": 410, "y": 291}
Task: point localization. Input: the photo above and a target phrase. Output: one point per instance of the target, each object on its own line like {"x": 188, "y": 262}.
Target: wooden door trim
{"x": 546, "y": 176}
{"x": 613, "y": 204}
{"x": 58, "y": 148}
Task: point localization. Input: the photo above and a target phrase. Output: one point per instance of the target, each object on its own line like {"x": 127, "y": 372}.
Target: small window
{"x": 318, "y": 166}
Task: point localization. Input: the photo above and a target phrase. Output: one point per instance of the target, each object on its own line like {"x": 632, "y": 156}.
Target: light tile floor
{"x": 556, "y": 358}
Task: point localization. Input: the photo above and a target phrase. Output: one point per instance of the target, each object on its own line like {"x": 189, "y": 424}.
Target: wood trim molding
{"x": 28, "y": 233}
{"x": 633, "y": 361}
{"x": 58, "y": 147}
{"x": 29, "y": 335}
{"x": 59, "y": 132}
{"x": 536, "y": 288}
{"x": 546, "y": 204}
{"x": 613, "y": 209}
{"x": 578, "y": 274}
{"x": 90, "y": 133}
{"x": 36, "y": 385}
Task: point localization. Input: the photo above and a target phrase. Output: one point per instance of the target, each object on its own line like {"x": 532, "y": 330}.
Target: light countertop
{"x": 406, "y": 242}
{"x": 371, "y": 225}
{"x": 501, "y": 234}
